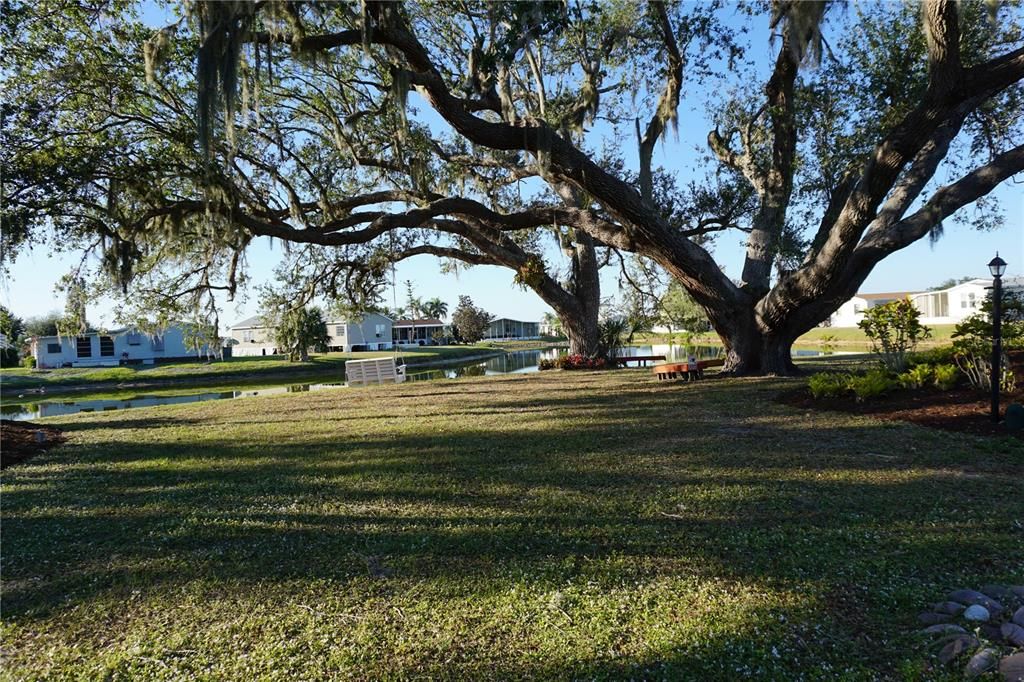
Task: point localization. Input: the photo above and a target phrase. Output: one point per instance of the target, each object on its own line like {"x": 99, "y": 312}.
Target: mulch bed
{"x": 962, "y": 409}
{"x": 21, "y": 440}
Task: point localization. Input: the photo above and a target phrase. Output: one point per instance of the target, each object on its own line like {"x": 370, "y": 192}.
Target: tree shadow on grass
{"x": 477, "y": 502}
{"x": 648, "y": 483}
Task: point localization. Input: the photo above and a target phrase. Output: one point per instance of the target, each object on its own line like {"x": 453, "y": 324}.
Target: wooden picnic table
{"x": 622, "y": 360}
{"x": 687, "y": 371}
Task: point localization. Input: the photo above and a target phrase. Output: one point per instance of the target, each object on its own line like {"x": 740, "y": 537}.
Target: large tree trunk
{"x": 582, "y": 334}
{"x": 755, "y": 354}
{"x": 751, "y": 346}
{"x": 585, "y": 286}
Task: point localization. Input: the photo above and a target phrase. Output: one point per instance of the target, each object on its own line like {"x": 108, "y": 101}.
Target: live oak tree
{"x": 307, "y": 135}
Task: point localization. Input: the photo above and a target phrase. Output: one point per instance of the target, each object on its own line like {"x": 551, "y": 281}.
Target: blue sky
{"x": 28, "y": 290}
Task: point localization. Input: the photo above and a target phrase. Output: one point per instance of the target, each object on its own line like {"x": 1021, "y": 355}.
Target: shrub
{"x": 828, "y": 344}
{"x": 946, "y": 376}
{"x": 917, "y": 376}
{"x": 933, "y": 356}
{"x": 546, "y": 364}
{"x": 894, "y": 330}
{"x": 828, "y": 384}
{"x": 28, "y": 361}
{"x": 579, "y": 362}
{"x": 972, "y": 343}
{"x": 872, "y": 384}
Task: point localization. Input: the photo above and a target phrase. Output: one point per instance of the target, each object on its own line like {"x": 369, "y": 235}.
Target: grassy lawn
{"x": 842, "y": 338}
{"x": 327, "y": 364}
{"x": 846, "y": 337}
{"x": 557, "y": 525}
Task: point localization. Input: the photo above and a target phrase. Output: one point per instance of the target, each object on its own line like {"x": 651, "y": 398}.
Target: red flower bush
{"x": 579, "y": 362}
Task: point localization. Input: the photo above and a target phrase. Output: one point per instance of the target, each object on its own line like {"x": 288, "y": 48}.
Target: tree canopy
{"x": 469, "y": 323}
{"x": 534, "y": 127}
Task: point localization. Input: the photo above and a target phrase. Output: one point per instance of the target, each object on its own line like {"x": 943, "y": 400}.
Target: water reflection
{"x": 53, "y": 408}
{"x": 517, "y": 362}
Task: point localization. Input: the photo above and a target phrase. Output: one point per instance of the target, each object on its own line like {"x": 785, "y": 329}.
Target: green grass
{"x": 557, "y": 525}
{"x": 244, "y": 368}
{"x": 844, "y": 339}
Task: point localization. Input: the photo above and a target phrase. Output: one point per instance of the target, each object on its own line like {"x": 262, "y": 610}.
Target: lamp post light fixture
{"x": 997, "y": 266}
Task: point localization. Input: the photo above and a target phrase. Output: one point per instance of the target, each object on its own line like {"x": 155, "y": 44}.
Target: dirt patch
{"x": 21, "y": 440}
{"x": 962, "y": 409}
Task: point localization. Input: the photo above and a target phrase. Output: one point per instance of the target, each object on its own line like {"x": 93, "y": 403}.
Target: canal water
{"x": 516, "y": 362}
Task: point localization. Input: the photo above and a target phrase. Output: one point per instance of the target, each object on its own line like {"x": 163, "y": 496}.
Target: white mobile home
{"x": 506, "y": 329}
{"x": 370, "y": 332}
{"x": 945, "y": 306}
{"x": 957, "y": 303}
{"x": 852, "y": 311}
{"x": 252, "y": 337}
{"x": 120, "y": 346}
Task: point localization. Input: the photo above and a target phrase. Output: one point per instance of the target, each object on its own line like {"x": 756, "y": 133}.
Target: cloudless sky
{"x": 28, "y": 290}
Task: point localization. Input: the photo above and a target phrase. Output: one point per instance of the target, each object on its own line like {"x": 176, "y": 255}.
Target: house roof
{"x": 256, "y": 322}
{"x": 887, "y": 296}
{"x": 425, "y": 322}
{"x": 249, "y": 323}
{"x": 94, "y": 332}
{"x": 509, "y": 319}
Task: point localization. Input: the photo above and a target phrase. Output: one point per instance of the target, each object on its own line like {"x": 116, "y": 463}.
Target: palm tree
{"x": 435, "y": 308}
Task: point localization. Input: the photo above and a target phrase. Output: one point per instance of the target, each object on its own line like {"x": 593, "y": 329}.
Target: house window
{"x": 339, "y": 330}
{"x": 247, "y": 336}
{"x": 106, "y": 347}
{"x": 83, "y": 346}
{"x": 158, "y": 343}
{"x": 135, "y": 339}
{"x": 380, "y": 330}
{"x": 971, "y": 300}
{"x": 53, "y": 348}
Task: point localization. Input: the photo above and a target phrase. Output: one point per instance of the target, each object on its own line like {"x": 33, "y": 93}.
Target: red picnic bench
{"x": 687, "y": 371}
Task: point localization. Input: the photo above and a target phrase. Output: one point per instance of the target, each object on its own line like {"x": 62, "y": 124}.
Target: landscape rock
{"x": 997, "y": 591}
{"x": 929, "y": 618}
{"x": 973, "y": 597}
{"x": 981, "y": 662}
{"x": 944, "y": 629}
{"x": 1018, "y": 590}
{"x": 951, "y": 607}
{"x": 1012, "y": 668}
{"x": 977, "y": 613}
{"x": 991, "y": 631}
{"x": 957, "y": 646}
{"x": 1013, "y": 634}
{"x": 1018, "y": 617}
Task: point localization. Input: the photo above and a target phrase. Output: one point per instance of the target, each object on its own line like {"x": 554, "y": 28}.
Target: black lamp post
{"x": 997, "y": 266}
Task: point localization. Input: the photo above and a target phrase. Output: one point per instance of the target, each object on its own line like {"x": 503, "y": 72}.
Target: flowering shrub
{"x": 572, "y": 362}
{"x": 579, "y": 362}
